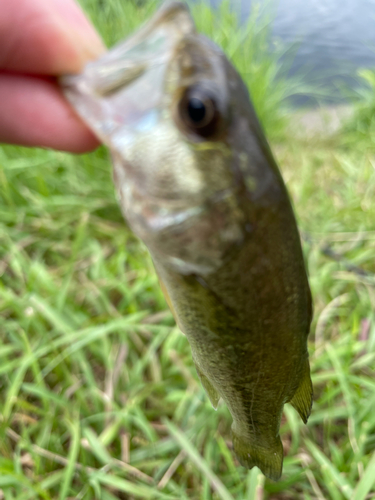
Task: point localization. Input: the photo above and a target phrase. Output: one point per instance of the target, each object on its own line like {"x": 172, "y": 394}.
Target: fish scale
{"x": 198, "y": 184}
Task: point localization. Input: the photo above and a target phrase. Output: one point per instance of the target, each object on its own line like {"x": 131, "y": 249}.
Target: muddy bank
{"x": 325, "y": 121}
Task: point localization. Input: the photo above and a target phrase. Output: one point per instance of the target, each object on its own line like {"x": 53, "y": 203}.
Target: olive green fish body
{"x": 247, "y": 326}
{"x": 198, "y": 184}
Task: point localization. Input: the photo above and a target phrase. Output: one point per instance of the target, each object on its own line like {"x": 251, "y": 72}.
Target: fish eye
{"x": 199, "y": 112}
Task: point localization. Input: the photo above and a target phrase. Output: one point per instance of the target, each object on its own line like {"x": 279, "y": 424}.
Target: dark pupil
{"x": 196, "y": 110}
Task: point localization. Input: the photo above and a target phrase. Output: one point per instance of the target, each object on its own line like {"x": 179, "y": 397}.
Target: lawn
{"x": 99, "y": 398}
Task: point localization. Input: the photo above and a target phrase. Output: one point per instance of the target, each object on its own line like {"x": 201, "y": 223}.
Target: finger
{"x": 46, "y": 37}
{"x": 35, "y": 113}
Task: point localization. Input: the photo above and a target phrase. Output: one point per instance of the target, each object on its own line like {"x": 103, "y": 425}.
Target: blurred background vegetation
{"x": 98, "y": 394}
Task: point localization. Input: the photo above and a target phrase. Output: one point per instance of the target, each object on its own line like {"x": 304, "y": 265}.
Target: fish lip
{"x": 101, "y": 94}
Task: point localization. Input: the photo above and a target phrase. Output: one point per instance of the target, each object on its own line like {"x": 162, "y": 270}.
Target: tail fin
{"x": 269, "y": 457}
{"x": 303, "y": 397}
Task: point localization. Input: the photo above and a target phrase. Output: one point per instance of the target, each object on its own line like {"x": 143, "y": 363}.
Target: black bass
{"x": 198, "y": 184}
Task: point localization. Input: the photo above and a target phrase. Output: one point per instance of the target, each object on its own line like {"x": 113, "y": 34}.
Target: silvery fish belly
{"x": 198, "y": 184}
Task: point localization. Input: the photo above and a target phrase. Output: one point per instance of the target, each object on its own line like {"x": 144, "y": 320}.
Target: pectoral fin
{"x": 303, "y": 397}
{"x": 169, "y": 302}
{"x": 211, "y": 392}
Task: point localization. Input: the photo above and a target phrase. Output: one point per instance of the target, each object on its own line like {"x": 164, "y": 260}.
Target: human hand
{"x": 40, "y": 40}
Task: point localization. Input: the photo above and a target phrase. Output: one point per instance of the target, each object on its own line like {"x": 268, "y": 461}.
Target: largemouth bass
{"x": 198, "y": 184}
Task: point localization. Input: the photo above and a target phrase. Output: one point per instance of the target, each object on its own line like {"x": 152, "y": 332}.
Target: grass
{"x": 98, "y": 394}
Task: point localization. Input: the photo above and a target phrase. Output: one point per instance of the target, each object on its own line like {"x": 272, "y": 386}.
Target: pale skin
{"x": 39, "y": 41}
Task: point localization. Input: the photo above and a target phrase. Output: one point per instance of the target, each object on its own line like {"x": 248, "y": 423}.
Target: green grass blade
{"x": 198, "y": 460}
{"x": 96, "y": 446}
{"x": 72, "y": 459}
{"x": 254, "y": 484}
{"x": 367, "y": 481}
{"x": 344, "y": 486}
{"x": 136, "y": 490}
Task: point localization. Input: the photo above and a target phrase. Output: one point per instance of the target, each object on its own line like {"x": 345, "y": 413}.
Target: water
{"x": 335, "y": 37}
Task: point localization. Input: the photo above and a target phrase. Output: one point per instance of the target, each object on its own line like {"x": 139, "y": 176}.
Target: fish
{"x": 198, "y": 184}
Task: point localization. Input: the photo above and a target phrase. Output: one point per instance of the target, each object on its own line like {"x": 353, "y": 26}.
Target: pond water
{"x": 335, "y": 37}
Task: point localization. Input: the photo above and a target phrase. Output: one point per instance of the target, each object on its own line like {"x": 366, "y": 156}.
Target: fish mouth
{"x": 122, "y": 91}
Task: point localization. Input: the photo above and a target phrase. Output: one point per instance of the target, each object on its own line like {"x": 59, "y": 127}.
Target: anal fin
{"x": 303, "y": 397}
{"x": 211, "y": 392}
